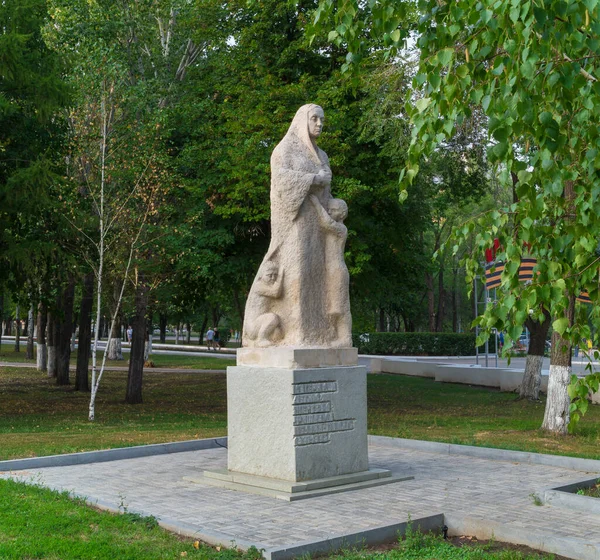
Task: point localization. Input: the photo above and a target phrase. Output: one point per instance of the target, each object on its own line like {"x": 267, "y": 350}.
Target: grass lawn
{"x": 38, "y": 418}
{"x": 159, "y": 360}
{"x": 419, "y": 408}
{"x": 39, "y": 523}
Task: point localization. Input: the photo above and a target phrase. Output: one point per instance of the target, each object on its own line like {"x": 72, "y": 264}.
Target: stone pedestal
{"x": 297, "y": 424}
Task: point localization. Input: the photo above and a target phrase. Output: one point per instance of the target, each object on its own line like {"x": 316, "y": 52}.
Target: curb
{"x": 566, "y": 497}
{"x": 504, "y": 532}
{"x": 563, "y": 461}
{"x": 368, "y": 537}
{"x": 111, "y": 454}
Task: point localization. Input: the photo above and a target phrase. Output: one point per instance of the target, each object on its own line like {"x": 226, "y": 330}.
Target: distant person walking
{"x": 210, "y": 339}
{"x": 217, "y": 340}
{"x": 129, "y": 334}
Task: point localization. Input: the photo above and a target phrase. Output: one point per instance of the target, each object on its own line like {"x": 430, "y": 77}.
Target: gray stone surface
{"x": 297, "y": 424}
{"x": 477, "y": 496}
{"x": 561, "y": 461}
{"x": 294, "y": 358}
{"x": 505, "y": 379}
{"x": 566, "y": 497}
{"x": 327, "y": 486}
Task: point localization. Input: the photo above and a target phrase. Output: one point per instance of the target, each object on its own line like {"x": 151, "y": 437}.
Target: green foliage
{"x": 32, "y": 96}
{"x": 415, "y": 343}
{"x": 580, "y": 390}
{"x": 533, "y": 72}
{"x": 516, "y": 64}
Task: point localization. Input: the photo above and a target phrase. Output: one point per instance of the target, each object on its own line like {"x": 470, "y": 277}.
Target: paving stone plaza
{"x": 472, "y": 490}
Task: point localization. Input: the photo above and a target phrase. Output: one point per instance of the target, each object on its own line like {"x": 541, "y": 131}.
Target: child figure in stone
{"x": 338, "y": 279}
{"x": 266, "y": 328}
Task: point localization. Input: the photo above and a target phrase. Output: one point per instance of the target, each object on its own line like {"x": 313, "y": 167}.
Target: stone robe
{"x": 297, "y": 249}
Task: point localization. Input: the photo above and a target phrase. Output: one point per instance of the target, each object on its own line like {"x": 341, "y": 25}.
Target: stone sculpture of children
{"x": 338, "y": 299}
{"x": 266, "y": 328}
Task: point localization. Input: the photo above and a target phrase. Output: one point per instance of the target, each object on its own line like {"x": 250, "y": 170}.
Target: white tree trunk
{"x": 51, "y": 360}
{"x": 30, "y": 327}
{"x": 42, "y": 357}
{"x": 115, "y": 349}
{"x": 532, "y": 378}
{"x": 148, "y": 348}
{"x": 556, "y": 416}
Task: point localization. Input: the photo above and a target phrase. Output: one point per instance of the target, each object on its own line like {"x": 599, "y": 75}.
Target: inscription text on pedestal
{"x": 314, "y": 417}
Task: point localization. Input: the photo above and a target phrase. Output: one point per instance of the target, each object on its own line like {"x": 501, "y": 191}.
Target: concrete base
{"x": 292, "y": 491}
{"x": 297, "y": 358}
{"x": 297, "y": 424}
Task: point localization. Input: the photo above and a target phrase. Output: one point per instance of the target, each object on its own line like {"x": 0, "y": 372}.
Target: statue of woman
{"x": 299, "y": 170}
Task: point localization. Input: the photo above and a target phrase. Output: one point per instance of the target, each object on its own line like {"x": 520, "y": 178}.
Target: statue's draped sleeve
{"x": 291, "y": 185}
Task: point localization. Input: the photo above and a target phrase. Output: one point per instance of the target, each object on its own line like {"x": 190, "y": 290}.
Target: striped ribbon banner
{"x": 493, "y": 272}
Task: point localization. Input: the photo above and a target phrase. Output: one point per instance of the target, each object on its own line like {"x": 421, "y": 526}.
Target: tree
{"x": 32, "y": 94}
{"x": 128, "y": 60}
{"x": 533, "y": 70}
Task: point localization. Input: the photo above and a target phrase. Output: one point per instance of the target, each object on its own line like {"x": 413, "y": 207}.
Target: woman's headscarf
{"x": 299, "y": 128}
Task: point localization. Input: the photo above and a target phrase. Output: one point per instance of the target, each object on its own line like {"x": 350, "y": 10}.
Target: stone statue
{"x": 299, "y": 297}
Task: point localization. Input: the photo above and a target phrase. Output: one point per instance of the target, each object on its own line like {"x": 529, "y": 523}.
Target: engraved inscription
{"x": 320, "y": 387}
{"x": 314, "y": 417}
{"x": 324, "y": 427}
{"x": 308, "y": 398}
{"x": 311, "y": 439}
{"x": 312, "y": 408}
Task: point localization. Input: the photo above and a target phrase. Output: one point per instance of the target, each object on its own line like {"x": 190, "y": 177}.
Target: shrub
{"x": 415, "y": 343}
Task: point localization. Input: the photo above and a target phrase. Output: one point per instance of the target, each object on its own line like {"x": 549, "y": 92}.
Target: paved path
{"x": 579, "y": 364}
{"x": 468, "y": 488}
{"x": 123, "y": 368}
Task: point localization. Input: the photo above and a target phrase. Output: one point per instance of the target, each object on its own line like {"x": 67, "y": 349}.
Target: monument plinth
{"x": 297, "y": 432}
{"x": 297, "y": 399}
{"x": 297, "y": 423}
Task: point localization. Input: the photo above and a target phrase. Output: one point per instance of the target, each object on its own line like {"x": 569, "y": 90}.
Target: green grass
{"x": 159, "y": 360}
{"x": 39, "y": 418}
{"x": 418, "y": 408}
{"x": 592, "y": 492}
{"x": 189, "y": 362}
{"x": 40, "y": 523}
{"x": 418, "y": 546}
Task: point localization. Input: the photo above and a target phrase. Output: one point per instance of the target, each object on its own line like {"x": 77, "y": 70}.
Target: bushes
{"x": 415, "y": 343}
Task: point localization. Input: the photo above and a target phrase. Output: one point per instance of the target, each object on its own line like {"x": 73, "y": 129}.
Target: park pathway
{"x": 476, "y": 495}
{"x": 124, "y": 368}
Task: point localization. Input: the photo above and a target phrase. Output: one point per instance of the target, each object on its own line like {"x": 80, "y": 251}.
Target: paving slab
{"x": 471, "y": 494}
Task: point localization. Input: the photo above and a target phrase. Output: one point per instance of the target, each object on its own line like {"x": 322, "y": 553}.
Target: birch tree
{"x": 126, "y": 75}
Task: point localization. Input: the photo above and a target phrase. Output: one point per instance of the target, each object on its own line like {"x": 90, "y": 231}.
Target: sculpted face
{"x": 337, "y": 209}
{"x": 270, "y": 274}
{"x": 316, "y": 117}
